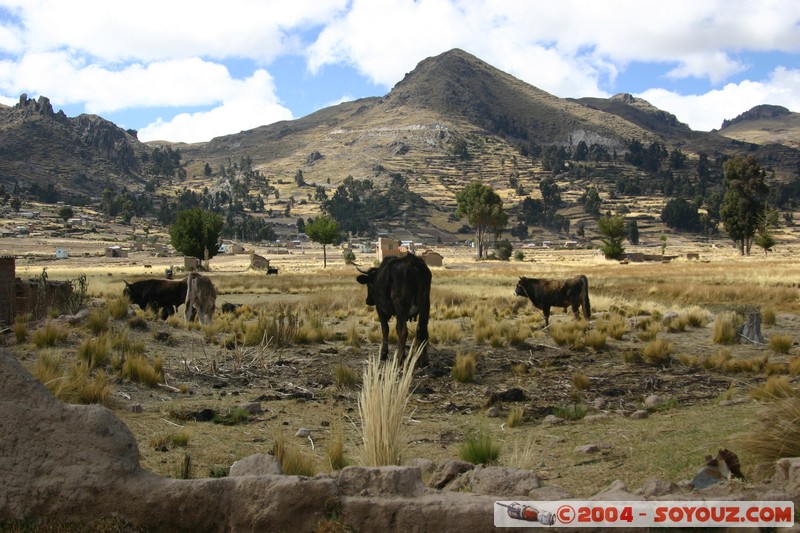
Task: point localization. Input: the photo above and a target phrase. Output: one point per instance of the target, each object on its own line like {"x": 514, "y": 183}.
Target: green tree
{"x": 632, "y": 231}
{"x": 195, "y": 233}
{"x": 612, "y": 229}
{"x": 681, "y": 215}
{"x": 503, "y": 249}
{"x": 483, "y": 209}
{"x": 745, "y": 194}
{"x": 591, "y": 201}
{"x": 767, "y": 220}
{"x": 324, "y": 230}
{"x": 66, "y": 213}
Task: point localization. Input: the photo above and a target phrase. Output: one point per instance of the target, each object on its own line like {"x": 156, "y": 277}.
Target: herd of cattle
{"x": 400, "y": 287}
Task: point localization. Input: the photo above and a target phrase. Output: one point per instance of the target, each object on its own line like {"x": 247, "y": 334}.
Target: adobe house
{"x": 258, "y": 262}
{"x": 432, "y": 259}
{"x": 389, "y": 247}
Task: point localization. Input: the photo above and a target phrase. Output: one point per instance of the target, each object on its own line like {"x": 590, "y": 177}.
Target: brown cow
{"x": 201, "y": 297}
{"x": 547, "y": 293}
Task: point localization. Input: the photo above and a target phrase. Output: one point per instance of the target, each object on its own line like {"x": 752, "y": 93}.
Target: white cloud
{"x": 249, "y": 104}
{"x": 705, "y": 112}
{"x": 121, "y": 55}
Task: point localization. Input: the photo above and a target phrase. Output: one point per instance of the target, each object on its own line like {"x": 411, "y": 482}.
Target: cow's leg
{"x": 384, "y": 338}
{"x": 188, "y": 312}
{"x": 422, "y": 337}
{"x": 546, "y": 313}
{"x": 402, "y": 335}
{"x": 575, "y": 307}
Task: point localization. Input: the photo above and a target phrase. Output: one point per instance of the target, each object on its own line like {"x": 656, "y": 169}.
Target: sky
{"x": 191, "y": 70}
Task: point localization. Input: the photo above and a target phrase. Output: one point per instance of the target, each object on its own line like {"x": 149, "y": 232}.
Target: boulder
{"x": 260, "y": 464}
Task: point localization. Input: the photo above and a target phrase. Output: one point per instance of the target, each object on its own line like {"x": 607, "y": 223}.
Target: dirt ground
{"x": 295, "y": 386}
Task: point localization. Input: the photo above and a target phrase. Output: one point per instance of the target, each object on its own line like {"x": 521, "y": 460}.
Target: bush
{"x": 479, "y": 450}
{"x": 293, "y": 461}
{"x": 724, "y": 329}
{"x": 95, "y": 351}
{"x": 775, "y": 434}
{"x": 385, "y": 394}
{"x": 97, "y": 321}
{"x": 49, "y": 335}
{"x": 345, "y": 377}
{"x": 464, "y": 367}
{"x": 657, "y": 351}
{"x": 515, "y": 416}
{"x": 780, "y": 343}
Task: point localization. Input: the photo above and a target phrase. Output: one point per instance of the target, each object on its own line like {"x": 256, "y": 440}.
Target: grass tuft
{"x": 293, "y": 461}
{"x": 464, "y": 367}
{"x": 345, "y": 377}
{"x": 382, "y": 404}
{"x": 775, "y": 434}
{"x": 780, "y": 343}
{"x": 479, "y": 450}
{"x": 657, "y": 352}
{"x": 49, "y": 335}
{"x": 515, "y": 416}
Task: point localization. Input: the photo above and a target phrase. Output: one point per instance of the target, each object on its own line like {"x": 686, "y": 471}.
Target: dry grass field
{"x": 300, "y": 343}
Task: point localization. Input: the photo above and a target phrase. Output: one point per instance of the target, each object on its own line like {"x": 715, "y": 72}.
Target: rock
{"x": 260, "y": 464}
{"x": 78, "y": 317}
{"x": 426, "y": 466}
{"x": 313, "y": 156}
{"x": 549, "y": 493}
{"x": 552, "y": 420}
{"x": 616, "y": 491}
{"x": 668, "y": 317}
{"x": 448, "y": 472}
{"x": 303, "y": 432}
{"x": 600, "y": 403}
{"x": 654, "y": 400}
{"x": 587, "y": 448}
{"x": 511, "y": 482}
{"x": 707, "y": 476}
{"x": 254, "y": 408}
{"x": 493, "y": 412}
{"x": 640, "y": 414}
{"x": 511, "y": 395}
{"x": 658, "y": 487}
{"x": 380, "y": 481}
{"x": 595, "y": 418}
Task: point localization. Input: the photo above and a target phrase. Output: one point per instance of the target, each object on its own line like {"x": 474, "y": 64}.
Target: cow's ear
{"x": 126, "y": 283}
{"x": 363, "y": 279}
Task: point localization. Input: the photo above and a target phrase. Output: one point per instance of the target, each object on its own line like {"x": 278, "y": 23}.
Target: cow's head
{"x": 133, "y": 293}
{"x": 368, "y": 278}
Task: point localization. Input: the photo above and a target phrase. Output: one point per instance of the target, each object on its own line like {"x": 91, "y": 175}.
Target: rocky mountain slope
{"x": 42, "y": 149}
{"x": 451, "y": 120}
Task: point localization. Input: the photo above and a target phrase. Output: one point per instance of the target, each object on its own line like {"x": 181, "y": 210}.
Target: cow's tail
{"x": 587, "y": 310}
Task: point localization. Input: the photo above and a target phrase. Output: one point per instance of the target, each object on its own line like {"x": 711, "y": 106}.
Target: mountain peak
{"x": 759, "y": 112}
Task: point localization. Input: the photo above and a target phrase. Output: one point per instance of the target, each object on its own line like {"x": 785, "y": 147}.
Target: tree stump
{"x": 750, "y": 331}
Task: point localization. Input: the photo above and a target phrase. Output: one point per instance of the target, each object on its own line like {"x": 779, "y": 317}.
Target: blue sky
{"x": 191, "y": 70}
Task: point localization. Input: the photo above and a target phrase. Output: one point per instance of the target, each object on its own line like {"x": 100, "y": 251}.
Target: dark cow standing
{"x": 547, "y": 293}
{"x": 162, "y": 295}
{"x": 400, "y": 287}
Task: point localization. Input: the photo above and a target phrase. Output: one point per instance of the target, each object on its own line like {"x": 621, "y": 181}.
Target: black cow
{"x": 400, "y": 287}
{"x": 162, "y": 295}
{"x": 547, "y": 293}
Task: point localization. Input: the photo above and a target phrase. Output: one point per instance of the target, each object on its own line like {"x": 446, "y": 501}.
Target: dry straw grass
{"x": 657, "y": 351}
{"x": 775, "y": 433}
{"x": 464, "y": 367}
{"x": 724, "y": 329}
{"x": 49, "y": 335}
{"x": 515, "y": 416}
{"x": 580, "y": 381}
{"x": 780, "y": 343}
{"x": 294, "y": 462}
{"x": 382, "y": 405}
{"x": 76, "y": 384}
